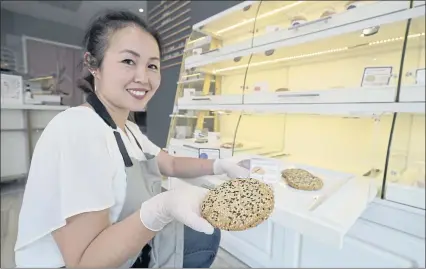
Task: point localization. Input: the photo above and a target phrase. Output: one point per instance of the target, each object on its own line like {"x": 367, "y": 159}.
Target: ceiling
{"x": 73, "y": 13}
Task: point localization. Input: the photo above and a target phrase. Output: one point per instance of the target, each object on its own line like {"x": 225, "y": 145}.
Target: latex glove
{"x": 181, "y": 204}
{"x": 232, "y": 170}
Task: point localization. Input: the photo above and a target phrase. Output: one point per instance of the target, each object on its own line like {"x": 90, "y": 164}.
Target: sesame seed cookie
{"x": 238, "y": 204}
{"x": 302, "y": 180}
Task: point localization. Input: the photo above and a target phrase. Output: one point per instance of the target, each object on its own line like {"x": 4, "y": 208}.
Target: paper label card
{"x": 265, "y": 170}
{"x": 376, "y": 76}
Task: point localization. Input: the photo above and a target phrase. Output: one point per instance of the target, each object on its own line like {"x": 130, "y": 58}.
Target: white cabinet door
{"x": 367, "y": 245}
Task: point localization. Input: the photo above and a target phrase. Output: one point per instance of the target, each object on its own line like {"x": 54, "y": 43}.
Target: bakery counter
{"x": 21, "y": 126}
{"x": 342, "y": 219}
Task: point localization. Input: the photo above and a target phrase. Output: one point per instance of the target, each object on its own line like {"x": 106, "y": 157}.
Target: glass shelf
{"x": 405, "y": 178}
{"x": 348, "y": 68}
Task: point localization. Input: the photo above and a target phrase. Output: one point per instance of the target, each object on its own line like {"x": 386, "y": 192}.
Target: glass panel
{"x": 355, "y": 146}
{"x": 405, "y": 178}
{"x": 414, "y": 63}
{"x": 211, "y": 80}
{"x": 202, "y": 128}
{"x": 197, "y": 44}
{"x": 277, "y": 15}
{"x": 234, "y": 27}
{"x": 339, "y": 64}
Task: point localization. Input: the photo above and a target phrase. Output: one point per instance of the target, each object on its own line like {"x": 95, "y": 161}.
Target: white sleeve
{"x": 86, "y": 169}
{"x": 146, "y": 144}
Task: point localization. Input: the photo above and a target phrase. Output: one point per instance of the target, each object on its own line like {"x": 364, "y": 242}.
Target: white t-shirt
{"x": 76, "y": 167}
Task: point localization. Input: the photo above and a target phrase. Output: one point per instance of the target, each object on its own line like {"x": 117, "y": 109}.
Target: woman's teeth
{"x": 137, "y": 93}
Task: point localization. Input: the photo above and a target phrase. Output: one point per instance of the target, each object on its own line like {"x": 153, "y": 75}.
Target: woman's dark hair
{"x": 97, "y": 36}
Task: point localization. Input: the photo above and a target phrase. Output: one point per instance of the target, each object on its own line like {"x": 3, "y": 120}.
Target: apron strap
{"x": 100, "y": 109}
{"x": 147, "y": 155}
{"x": 137, "y": 143}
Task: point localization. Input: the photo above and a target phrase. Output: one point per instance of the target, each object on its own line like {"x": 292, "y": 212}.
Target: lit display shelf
{"x": 335, "y": 88}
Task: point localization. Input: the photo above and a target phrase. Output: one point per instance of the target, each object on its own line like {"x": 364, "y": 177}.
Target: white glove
{"x": 181, "y": 204}
{"x": 232, "y": 170}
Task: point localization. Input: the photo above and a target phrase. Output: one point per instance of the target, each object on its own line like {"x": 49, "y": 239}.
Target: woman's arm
{"x": 184, "y": 167}
{"x": 89, "y": 240}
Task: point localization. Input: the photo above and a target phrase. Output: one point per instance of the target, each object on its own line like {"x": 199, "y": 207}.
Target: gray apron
{"x": 143, "y": 182}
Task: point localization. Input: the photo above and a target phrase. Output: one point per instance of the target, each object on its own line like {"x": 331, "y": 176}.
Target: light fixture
{"x": 141, "y": 10}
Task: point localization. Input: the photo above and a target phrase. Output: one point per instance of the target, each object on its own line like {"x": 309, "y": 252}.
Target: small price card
{"x": 266, "y": 170}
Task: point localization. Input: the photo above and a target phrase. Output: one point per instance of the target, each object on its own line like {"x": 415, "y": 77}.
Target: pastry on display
{"x": 230, "y": 145}
{"x": 258, "y": 170}
{"x": 238, "y": 204}
{"x": 301, "y": 179}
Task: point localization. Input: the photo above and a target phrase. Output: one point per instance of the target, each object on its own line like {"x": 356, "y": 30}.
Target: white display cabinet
{"x": 333, "y": 87}
{"x": 21, "y": 127}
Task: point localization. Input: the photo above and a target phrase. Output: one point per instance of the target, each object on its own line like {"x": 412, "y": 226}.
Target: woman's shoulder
{"x": 76, "y": 125}
{"x": 78, "y": 119}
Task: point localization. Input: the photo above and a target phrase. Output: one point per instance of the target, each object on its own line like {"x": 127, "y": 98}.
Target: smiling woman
{"x": 103, "y": 206}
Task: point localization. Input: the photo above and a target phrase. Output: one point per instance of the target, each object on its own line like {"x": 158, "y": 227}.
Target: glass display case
{"x": 335, "y": 88}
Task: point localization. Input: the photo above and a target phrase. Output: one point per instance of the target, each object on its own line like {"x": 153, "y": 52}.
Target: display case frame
{"x": 358, "y": 193}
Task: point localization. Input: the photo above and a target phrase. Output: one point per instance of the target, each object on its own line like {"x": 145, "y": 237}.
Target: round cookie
{"x": 302, "y": 180}
{"x": 238, "y": 204}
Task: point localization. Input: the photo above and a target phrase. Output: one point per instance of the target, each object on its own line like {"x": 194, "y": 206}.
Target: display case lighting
{"x": 270, "y": 13}
{"x": 312, "y": 54}
{"x": 394, "y": 39}
{"x": 191, "y": 75}
{"x": 281, "y": 59}
{"x": 196, "y": 40}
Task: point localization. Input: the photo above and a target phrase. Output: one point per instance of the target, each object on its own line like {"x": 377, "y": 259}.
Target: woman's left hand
{"x": 232, "y": 170}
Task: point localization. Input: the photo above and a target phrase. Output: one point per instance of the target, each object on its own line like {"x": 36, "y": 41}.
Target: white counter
{"x": 350, "y": 229}
{"x": 21, "y": 126}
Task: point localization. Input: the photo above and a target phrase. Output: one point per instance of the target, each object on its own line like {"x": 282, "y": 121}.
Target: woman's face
{"x": 130, "y": 72}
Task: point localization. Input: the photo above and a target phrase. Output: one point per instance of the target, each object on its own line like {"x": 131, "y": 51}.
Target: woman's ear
{"x": 90, "y": 61}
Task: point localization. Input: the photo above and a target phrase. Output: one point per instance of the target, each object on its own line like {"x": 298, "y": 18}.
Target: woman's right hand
{"x": 182, "y": 204}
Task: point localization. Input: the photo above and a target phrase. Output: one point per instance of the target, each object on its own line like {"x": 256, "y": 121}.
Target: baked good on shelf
{"x": 238, "y": 204}
{"x": 229, "y": 145}
{"x": 302, "y": 180}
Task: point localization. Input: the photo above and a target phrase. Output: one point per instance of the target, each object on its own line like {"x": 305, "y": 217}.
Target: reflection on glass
{"x": 413, "y": 75}
{"x": 405, "y": 180}
{"x": 198, "y": 44}
{"x": 209, "y": 128}
{"x": 202, "y": 81}
{"x": 234, "y": 27}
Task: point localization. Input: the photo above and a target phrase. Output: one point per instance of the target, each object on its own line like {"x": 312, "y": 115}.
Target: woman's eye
{"x": 129, "y": 62}
{"x": 153, "y": 66}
